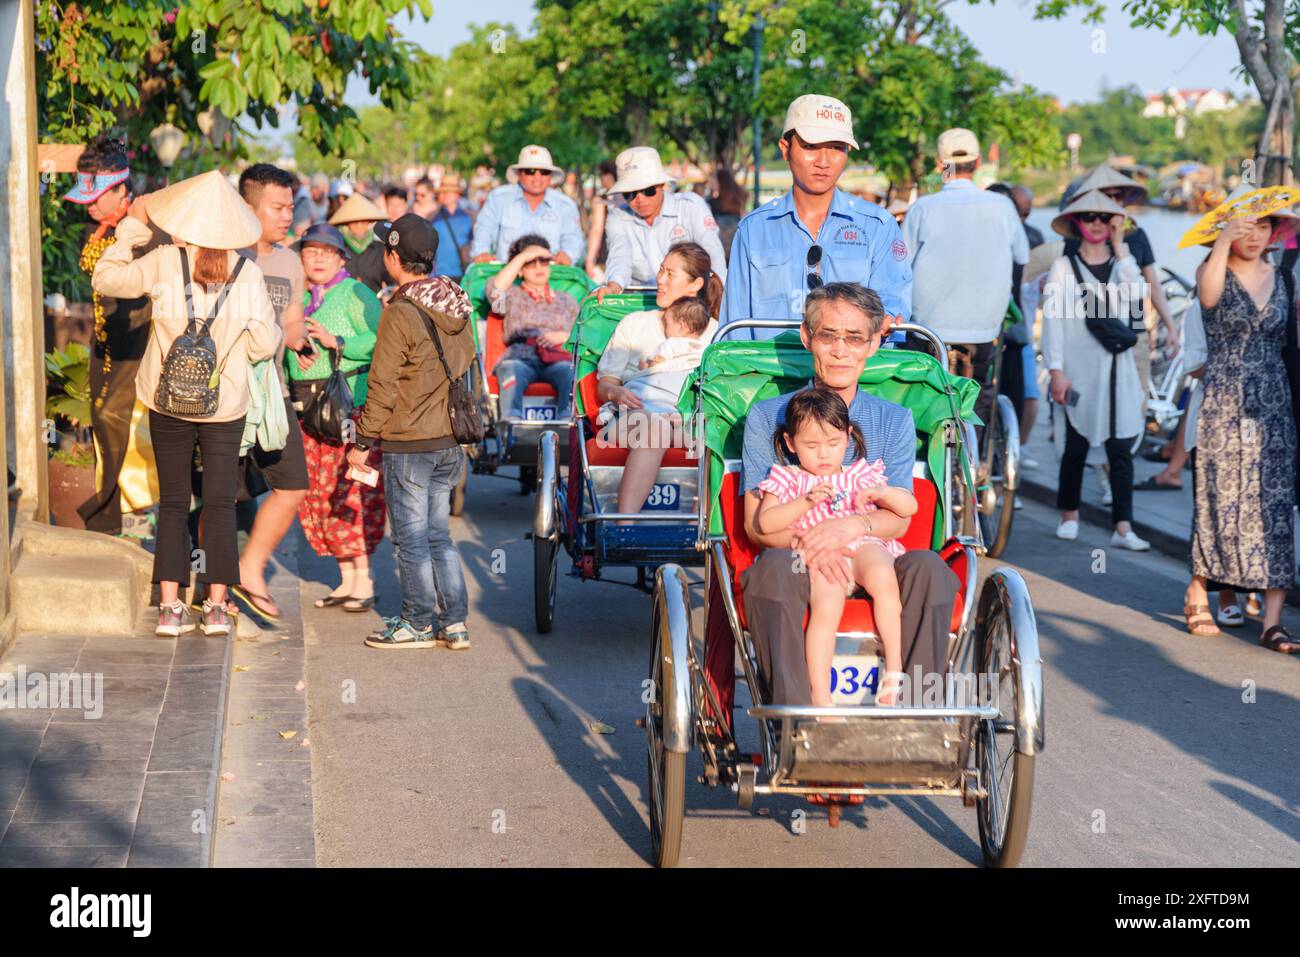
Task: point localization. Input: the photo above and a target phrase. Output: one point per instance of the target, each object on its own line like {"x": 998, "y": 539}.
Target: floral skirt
{"x": 341, "y": 518}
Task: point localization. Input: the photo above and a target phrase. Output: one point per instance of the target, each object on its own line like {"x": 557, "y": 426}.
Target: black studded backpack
{"x": 189, "y": 385}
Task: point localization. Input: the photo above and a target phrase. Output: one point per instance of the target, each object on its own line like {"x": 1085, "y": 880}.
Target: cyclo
{"x": 981, "y": 751}
{"x": 579, "y": 511}
{"x": 511, "y": 443}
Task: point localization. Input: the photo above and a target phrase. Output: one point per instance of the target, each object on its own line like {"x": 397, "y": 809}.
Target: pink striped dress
{"x": 789, "y": 482}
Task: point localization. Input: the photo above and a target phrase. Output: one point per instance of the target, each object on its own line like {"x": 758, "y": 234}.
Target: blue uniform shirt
{"x": 888, "y": 429}
{"x": 454, "y": 230}
{"x": 768, "y": 274}
{"x": 505, "y": 217}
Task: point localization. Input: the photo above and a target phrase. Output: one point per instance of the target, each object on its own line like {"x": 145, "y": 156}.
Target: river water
{"x": 1164, "y": 227}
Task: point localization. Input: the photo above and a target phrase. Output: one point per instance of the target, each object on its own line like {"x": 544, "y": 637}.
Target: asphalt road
{"x": 488, "y": 757}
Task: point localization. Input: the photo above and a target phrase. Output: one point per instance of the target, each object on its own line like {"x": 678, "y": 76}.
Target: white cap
{"x": 958, "y": 146}
{"x": 820, "y": 119}
{"x": 535, "y": 157}
{"x": 638, "y": 168}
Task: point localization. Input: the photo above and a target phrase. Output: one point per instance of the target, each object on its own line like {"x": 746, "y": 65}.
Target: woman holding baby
{"x": 647, "y": 361}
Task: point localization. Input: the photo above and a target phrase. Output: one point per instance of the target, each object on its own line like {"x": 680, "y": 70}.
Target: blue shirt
{"x": 637, "y": 249}
{"x": 768, "y": 274}
{"x": 962, "y": 241}
{"x": 506, "y": 216}
{"x": 454, "y": 230}
{"x": 888, "y": 429}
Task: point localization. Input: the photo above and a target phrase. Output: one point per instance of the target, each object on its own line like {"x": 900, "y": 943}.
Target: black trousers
{"x": 1119, "y": 452}
{"x": 174, "y": 440}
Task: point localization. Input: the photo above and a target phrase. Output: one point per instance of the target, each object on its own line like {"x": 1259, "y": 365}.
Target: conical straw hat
{"x": 357, "y": 209}
{"x": 1090, "y": 202}
{"x": 205, "y": 210}
{"x": 1106, "y": 176}
{"x": 1246, "y": 201}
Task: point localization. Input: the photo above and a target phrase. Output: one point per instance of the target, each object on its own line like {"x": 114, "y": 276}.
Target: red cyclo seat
{"x": 493, "y": 346}
{"x": 609, "y": 455}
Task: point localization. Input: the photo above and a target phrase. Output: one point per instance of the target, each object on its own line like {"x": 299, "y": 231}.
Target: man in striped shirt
{"x": 842, "y": 328}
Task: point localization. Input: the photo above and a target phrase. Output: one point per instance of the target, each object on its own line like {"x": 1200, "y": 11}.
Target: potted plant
{"x": 72, "y": 456}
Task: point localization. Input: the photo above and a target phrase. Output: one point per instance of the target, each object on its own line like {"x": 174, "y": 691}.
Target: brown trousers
{"x": 776, "y": 597}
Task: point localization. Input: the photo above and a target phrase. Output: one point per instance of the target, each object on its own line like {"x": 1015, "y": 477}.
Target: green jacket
{"x": 351, "y": 312}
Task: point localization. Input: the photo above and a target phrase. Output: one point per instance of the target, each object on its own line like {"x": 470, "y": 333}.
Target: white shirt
{"x": 1069, "y": 346}
{"x": 636, "y": 338}
{"x": 961, "y": 242}
{"x": 638, "y": 248}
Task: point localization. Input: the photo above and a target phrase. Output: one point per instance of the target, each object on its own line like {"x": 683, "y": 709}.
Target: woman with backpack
{"x": 211, "y": 319}
{"x": 1092, "y": 303}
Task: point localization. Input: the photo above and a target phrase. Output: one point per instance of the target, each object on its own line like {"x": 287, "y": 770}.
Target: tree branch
{"x": 1251, "y": 56}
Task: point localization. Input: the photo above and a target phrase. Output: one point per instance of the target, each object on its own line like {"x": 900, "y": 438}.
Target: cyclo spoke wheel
{"x": 545, "y": 576}
{"x": 995, "y": 524}
{"x": 1007, "y": 775}
{"x": 666, "y": 769}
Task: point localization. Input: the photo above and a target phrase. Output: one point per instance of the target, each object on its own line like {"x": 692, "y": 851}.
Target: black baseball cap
{"x": 412, "y": 238}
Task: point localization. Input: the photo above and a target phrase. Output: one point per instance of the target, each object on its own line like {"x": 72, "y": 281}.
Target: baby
{"x": 663, "y": 372}
{"x": 817, "y": 431}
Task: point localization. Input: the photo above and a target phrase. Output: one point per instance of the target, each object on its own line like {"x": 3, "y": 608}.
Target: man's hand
{"x": 563, "y": 259}
{"x": 483, "y": 258}
{"x": 609, "y": 289}
{"x": 357, "y": 458}
{"x": 823, "y": 546}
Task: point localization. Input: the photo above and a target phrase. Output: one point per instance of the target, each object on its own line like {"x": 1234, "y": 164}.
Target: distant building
{"x": 1174, "y": 102}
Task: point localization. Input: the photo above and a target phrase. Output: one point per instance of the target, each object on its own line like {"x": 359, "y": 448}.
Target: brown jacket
{"x": 406, "y": 390}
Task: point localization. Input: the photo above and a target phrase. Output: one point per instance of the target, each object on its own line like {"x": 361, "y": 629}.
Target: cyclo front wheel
{"x": 998, "y": 495}
{"x": 666, "y": 768}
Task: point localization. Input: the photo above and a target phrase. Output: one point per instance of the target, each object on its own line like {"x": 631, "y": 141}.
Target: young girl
{"x": 817, "y": 431}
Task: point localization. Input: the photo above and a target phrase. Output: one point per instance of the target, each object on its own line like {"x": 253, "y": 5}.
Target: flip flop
{"x": 330, "y": 601}
{"x": 1232, "y": 616}
{"x": 359, "y": 604}
{"x": 1150, "y": 484}
{"x": 252, "y": 598}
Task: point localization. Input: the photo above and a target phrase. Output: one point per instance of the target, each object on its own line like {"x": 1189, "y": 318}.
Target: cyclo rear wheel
{"x": 1006, "y": 773}
{"x": 998, "y": 501}
{"x": 666, "y": 769}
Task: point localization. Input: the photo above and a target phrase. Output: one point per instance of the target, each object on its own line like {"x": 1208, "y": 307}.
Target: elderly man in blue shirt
{"x": 529, "y": 204}
{"x": 816, "y": 233}
{"x": 650, "y": 220}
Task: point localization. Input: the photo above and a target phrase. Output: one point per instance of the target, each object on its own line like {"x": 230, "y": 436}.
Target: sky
{"x": 1037, "y": 52}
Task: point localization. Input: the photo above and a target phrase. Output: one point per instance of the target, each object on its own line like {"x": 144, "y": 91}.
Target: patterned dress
{"x": 1246, "y": 445}
{"x": 341, "y": 518}
{"x": 788, "y": 483}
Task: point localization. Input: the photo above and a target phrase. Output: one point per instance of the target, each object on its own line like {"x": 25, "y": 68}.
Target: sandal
{"x": 1280, "y": 640}
{"x": 359, "y": 604}
{"x": 255, "y": 601}
{"x": 1150, "y": 484}
{"x": 1231, "y": 616}
{"x": 891, "y": 686}
{"x": 1199, "y": 621}
{"x": 329, "y": 601}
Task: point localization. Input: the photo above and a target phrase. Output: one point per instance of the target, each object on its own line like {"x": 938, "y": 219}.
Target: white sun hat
{"x": 638, "y": 168}
{"x": 205, "y": 210}
{"x": 818, "y": 118}
{"x": 535, "y": 157}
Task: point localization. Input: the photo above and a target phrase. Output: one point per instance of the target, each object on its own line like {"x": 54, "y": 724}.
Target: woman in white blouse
{"x": 1099, "y": 392}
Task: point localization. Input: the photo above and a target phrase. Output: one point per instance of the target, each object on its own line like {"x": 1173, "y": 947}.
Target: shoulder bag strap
{"x": 189, "y": 293}
{"x": 437, "y": 343}
{"x": 221, "y": 296}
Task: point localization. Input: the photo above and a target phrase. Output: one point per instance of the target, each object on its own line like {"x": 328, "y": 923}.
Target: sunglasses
{"x": 534, "y": 172}
{"x": 647, "y": 192}
{"x": 539, "y": 261}
{"x": 814, "y": 266}
{"x": 1093, "y": 217}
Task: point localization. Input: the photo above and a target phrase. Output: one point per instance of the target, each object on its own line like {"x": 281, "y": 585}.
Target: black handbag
{"x": 466, "y": 423}
{"x": 1114, "y": 335}
{"x": 330, "y": 404}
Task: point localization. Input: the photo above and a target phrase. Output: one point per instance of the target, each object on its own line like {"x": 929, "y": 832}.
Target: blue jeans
{"x": 516, "y": 375}
{"x": 418, "y": 486}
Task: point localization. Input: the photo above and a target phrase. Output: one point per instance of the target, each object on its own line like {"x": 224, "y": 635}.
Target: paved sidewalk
{"x": 132, "y": 785}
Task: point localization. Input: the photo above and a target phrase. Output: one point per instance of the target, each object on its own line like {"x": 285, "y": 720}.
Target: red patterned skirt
{"x": 341, "y": 518}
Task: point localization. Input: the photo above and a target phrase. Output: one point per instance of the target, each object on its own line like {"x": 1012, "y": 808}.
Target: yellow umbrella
{"x": 1254, "y": 204}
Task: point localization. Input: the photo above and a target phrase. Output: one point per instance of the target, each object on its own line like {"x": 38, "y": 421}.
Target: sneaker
{"x": 1017, "y": 506}
{"x": 1027, "y": 461}
{"x": 384, "y": 624}
{"x": 173, "y": 621}
{"x": 1130, "y": 541}
{"x": 454, "y": 637}
{"x": 216, "y": 619}
{"x": 402, "y": 634}
{"x": 1067, "y": 531}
